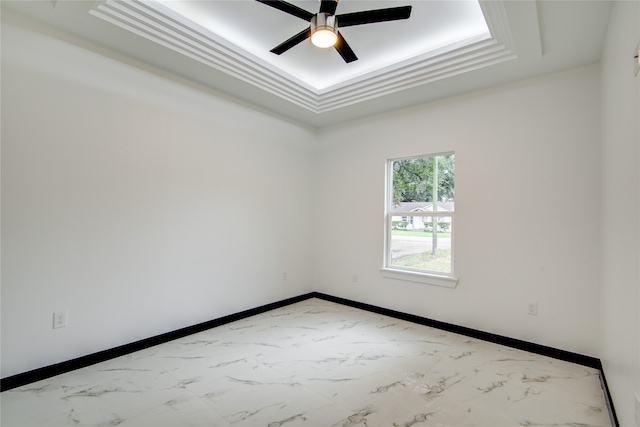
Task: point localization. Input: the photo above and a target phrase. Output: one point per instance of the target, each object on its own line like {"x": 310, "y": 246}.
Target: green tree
{"x": 413, "y": 179}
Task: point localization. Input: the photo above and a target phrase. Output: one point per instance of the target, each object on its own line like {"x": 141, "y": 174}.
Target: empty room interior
{"x": 203, "y": 218}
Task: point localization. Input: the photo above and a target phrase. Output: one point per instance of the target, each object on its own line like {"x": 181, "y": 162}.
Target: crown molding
{"x": 165, "y": 27}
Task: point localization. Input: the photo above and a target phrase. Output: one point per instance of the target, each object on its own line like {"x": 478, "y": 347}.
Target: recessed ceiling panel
{"x": 257, "y": 28}
{"x": 439, "y": 40}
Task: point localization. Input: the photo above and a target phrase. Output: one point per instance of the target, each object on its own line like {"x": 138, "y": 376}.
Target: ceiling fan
{"x": 323, "y": 28}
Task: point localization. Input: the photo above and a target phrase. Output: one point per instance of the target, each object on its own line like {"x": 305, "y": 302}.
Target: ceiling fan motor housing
{"x": 324, "y": 27}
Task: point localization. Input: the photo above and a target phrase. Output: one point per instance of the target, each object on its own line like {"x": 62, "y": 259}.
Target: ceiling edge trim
{"x": 433, "y": 64}
{"x": 140, "y": 20}
{"x": 418, "y": 79}
{"x": 165, "y": 27}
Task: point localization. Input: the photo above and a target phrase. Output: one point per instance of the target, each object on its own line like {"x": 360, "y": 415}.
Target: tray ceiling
{"x": 445, "y": 48}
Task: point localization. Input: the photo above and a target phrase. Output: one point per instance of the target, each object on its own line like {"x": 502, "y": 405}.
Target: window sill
{"x": 412, "y": 276}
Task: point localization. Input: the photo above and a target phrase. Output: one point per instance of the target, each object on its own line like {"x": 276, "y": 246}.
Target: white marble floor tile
{"x": 114, "y": 391}
{"x": 441, "y": 411}
{"x": 187, "y": 411}
{"x": 38, "y": 404}
{"x": 271, "y": 401}
{"x": 316, "y": 363}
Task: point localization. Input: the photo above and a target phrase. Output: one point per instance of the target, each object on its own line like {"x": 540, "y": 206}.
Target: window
{"x": 420, "y": 219}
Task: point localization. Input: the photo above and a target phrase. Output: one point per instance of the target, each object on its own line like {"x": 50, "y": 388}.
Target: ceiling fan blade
{"x": 288, "y": 8}
{"x": 373, "y": 16}
{"x": 345, "y": 50}
{"x": 286, "y": 45}
{"x": 328, "y": 6}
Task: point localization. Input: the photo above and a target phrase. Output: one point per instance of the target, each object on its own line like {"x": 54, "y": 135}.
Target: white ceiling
{"x": 433, "y": 25}
{"x": 446, "y": 48}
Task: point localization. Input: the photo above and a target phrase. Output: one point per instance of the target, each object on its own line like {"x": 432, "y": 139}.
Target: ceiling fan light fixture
{"x": 324, "y": 38}
{"x": 324, "y": 30}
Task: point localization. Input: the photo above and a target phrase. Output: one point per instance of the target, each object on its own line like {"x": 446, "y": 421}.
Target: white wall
{"x": 527, "y": 209}
{"x": 142, "y": 205}
{"x": 136, "y": 203}
{"x": 620, "y": 293}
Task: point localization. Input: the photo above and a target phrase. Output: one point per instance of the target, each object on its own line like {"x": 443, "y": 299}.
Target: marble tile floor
{"x": 317, "y": 363}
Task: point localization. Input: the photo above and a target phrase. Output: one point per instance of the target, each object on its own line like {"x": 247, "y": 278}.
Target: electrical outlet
{"x": 532, "y": 308}
{"x": 355, "y": 278}
{"x": 284, "y": 276}
{"x": 59, "y": 320}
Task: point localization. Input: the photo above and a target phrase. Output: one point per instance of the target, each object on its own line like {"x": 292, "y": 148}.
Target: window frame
{"x": 407, "y": 273}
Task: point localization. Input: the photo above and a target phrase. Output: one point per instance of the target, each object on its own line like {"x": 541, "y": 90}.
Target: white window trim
{"x": 408, "y": 274}
{"x": 419, "y": 277}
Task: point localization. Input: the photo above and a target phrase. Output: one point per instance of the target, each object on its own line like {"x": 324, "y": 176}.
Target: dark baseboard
{"x": 45, "y": 372}
{"x": 91, "y": 359}
{"x": 555, "y": 353}
{"x": 567, "y": 356}
{"x": 608, "y": 398}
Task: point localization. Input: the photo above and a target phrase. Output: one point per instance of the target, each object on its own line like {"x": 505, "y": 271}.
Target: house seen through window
{"x": 419, "y": 214}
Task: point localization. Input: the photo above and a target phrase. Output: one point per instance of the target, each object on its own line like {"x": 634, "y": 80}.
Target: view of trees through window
{"x": 420, "y": 222}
